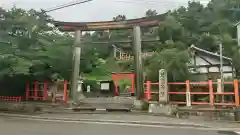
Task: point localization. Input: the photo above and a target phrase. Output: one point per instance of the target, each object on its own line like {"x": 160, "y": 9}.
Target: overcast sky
{"x": 98, "y": 10}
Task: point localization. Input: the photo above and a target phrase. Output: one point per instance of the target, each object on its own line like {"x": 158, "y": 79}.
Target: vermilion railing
{"x": 11, "y": 98}
{"x": 35, "y": 92}
{"x": 211, "y": 92}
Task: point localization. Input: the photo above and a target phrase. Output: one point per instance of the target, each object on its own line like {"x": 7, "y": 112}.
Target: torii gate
{"x": 117, "y": 76}
{"x": 134, "y": 24}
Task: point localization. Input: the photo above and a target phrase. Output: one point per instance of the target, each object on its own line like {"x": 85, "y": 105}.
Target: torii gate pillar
{"x": 75, "y": 93}
{"x": 137, "y": 50}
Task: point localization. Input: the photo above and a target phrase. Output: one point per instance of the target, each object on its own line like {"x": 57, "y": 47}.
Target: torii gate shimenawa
{"x": 134, "y": 24}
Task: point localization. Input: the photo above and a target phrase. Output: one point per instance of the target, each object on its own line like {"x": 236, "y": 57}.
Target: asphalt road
{"x": 10, "y": 126}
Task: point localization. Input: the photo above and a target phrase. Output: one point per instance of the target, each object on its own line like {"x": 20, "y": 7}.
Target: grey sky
{"x": 98, "y": 10}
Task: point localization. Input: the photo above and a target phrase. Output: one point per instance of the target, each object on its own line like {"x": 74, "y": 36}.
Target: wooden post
{"x": 116, "y": 88}
{"x": 45, "y": 91}
{"x": 188, "y": 94}
{"x": 236, "y": 92}
{"x": 65, "y": 91}
{"x": 27, "y": 90}
{"x": 133, "y": 87}
{"x": 35, "y": 90}
{"x": 211, "y": 94}
{"x": 148, "y": 90}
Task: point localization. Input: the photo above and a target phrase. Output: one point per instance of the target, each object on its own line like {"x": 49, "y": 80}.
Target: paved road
{"x": 10, "y": 126}
{"x": 145, "y": 118}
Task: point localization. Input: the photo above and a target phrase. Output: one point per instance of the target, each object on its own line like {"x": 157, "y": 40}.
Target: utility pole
{"x": 76, "y": 65}
{"x": 138, "y": 62}
{"x": 114, "y": 51}
{"x": 221, "y": 69}
{"x": 238, "y": 33}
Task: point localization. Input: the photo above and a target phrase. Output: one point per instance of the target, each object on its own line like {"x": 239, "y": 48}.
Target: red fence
{"x": 11, "y": 98}
{"x": 207, "y": 90}
{"x": 39, "y": 91}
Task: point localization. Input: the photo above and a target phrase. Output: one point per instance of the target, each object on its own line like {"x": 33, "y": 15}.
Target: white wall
{"x": 200, "y": 61}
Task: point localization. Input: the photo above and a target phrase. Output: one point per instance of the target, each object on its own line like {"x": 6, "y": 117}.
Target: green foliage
{"x": 31, "y": 47}
{"x": 203, "y": 26}
{"x": 173, "y": 60}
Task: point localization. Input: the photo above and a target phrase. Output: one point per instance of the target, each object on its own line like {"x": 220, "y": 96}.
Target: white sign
{"x": 104, "y": 86}
{"x": 88, "y": 88}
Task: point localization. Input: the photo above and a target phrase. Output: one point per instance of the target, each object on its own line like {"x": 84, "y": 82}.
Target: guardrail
{"x": 212, "y": 93}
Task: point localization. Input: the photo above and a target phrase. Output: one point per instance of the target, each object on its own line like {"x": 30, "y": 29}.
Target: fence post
{"x": 236, "y": 92}
{"x": 211, "y": 95}
{"x": 148, "y": 90}
{"x": 19, "y": 99}
{"x": 188, "y": 94}
{"x": 65, "y": 91}
{"x": 133, "y": 87}
{"x": 116, "y": 88}
{"x": 45, "y": 90}
{"x": 27, "y": 90}
{"x": 35, "y": 90}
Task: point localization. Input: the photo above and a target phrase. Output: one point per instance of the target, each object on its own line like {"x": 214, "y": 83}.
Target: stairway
{"x": 116, "y": 103}
{"x": 125, "y": 94}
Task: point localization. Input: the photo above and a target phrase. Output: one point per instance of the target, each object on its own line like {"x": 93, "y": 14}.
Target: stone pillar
{"x": 138, "y": 62}
{"x": 76, "y": 65}
{"x": 163, "y": 86}
{"x": 138, "y": 68}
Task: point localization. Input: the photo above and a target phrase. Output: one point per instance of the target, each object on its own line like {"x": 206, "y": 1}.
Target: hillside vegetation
{"x": 32, "y": 49}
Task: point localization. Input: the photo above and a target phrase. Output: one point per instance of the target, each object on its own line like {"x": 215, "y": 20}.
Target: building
{"x": 205, "y": 65}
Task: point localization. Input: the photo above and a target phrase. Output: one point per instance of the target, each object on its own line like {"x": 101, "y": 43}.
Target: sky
{"x": 98, "y": 10}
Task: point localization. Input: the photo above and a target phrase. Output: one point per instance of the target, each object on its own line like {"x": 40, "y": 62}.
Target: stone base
{"x": 81, "y": 97}
{"x": 164, "y": 109}
{"x": 78, "y": 101}
{"x": 139, "y": 105}
{"x": 18, "y": 107}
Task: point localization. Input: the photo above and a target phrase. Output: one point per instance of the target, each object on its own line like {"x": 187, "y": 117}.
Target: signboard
{"x": 105, "y": 86}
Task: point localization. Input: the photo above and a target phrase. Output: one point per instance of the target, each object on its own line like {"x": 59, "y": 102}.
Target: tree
{"x": 171, "y": 59}
{"x": 151, "y": 13}
{"x": 170, "y": 29}
{"x": 119, "y": 18}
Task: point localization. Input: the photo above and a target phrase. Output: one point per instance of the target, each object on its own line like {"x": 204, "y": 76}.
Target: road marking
{"x": 122, "y": 123}
{"x": 101, "y": 120}
{"x": 130, "y": 124}
{"x": 238, "y": 133}
{"x": 101, "y": 109}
